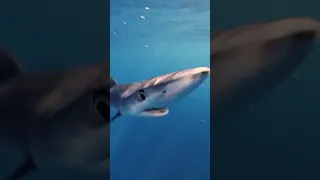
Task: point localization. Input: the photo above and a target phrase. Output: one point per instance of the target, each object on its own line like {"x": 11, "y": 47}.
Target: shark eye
{"x": 142, "y": 94}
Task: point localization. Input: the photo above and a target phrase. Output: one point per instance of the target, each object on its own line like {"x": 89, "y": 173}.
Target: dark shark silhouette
{"x": 251, "y": 60}
{"x": 57, "y": 119}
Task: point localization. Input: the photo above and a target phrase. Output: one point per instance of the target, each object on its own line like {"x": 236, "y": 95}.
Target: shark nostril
{"x": 164, "y": 91}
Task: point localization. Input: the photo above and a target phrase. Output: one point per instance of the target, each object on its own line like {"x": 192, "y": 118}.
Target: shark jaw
{"x": 155, "y": 112}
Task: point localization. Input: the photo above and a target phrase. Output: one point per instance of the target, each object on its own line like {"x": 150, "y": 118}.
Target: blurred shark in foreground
{"x": 52, "y": 120}
{"x": 61, "y": 120}
{"x": 250, "y": 61}
{"x": 152, "y": 97}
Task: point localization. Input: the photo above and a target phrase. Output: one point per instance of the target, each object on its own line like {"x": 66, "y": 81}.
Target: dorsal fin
{"x": 112, "y": 82}
{"x": 9, "y": 66}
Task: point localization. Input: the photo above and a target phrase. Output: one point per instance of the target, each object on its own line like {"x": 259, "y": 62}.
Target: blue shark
{"x": 151, "y": 98}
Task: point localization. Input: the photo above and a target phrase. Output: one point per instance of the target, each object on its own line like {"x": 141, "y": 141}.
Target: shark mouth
{"x": 156, "y": 111}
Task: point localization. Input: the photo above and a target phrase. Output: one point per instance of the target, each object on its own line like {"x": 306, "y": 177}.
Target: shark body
{"x": 51, "y": 120}
{"x": 152, "y": 97}
{"x": 252, "y": 60}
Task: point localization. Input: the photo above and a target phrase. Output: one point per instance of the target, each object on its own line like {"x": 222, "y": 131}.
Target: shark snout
{"x": 197, "y": 75}
{"x": 205, "y": 73}
{"x": 202, "y": 72}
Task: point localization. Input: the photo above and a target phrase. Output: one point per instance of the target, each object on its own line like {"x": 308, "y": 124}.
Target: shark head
{"x": 153, "y": 96}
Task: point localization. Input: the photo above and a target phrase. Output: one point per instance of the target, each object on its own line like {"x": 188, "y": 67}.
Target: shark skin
{"x": 151, "y": 98}
{"x": 52, "y": 119}
{"x": 250, "y": 61}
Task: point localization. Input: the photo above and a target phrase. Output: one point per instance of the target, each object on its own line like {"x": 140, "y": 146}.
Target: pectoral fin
{"x": 116, "y": 116}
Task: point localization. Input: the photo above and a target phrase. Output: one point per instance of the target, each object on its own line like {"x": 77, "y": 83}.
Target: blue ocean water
{"x": 149, "y": 38}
